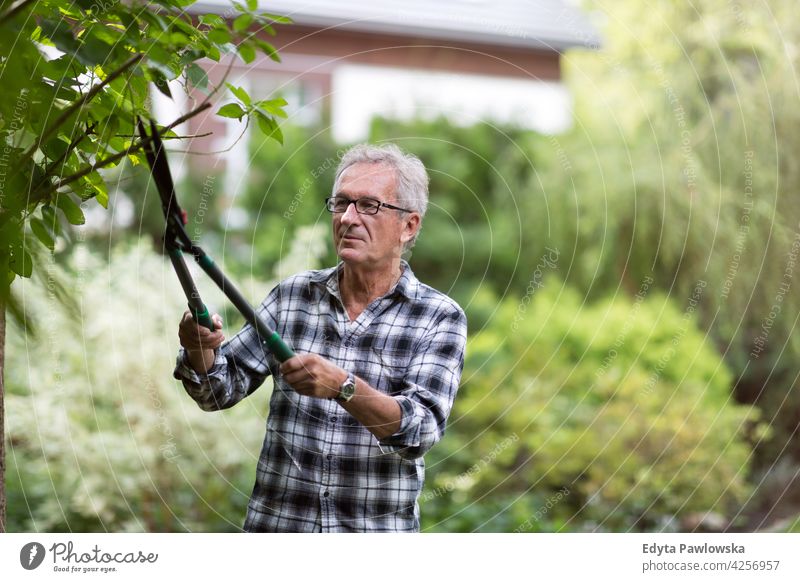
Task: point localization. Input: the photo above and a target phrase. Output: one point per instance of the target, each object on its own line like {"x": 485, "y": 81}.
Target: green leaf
{"x": 137, "y": 85}
{"x": 136, "y": 159}
{"x": 40, "y": 230}
{"x": 267, "y": 49}
{"x": 276, "y": 18}
{"x": 242, "y": 22}
{"x": 56, "y": 69}
{"x": 273, "y": 106}
{"x": 72, "y": 211}
{"x": 55, "y": 148}
{"x": 197, "y": 76}
{"x": 179, "y": 38}
{"x": 156, "y": 20}
{"x": 269, "y": 127}
{"x": 277, "y": 102}
{"x": 51, "y": 220}
{"x": 252, "y": 4}
{"x": 179, "y": 24}
{"x": 157, "y": 54}
{"x": 219, "y": 35}
{"x": 109, "y": 127}
{"x": 212, "y": 20}
{"x": 94, "y": 51}
{"x": 160, "y": 81}
{"x": 20, "y": 261}
{"x": 59, "y": 32}
{"x": 129, "y": 24}
{"x": 99, "y": 188}
{"x": 212, "y": 52}
{"x": 102, "y": 198}
{"x": 247, "y": 52}
{"x": 190, "y": 56}
{"x": 240, "y": 94}
{"x": 231, "y": 110}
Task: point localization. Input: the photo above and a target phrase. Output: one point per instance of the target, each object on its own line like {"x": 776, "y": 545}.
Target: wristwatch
{"x": 347, "y": 389}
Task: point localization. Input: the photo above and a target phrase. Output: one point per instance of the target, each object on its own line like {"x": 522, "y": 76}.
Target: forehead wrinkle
{"x": 370, "y": 175}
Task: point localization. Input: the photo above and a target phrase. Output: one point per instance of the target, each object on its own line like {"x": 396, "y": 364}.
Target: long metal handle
{"x": 269, "y": 337}
{"x": 197, "y": 308}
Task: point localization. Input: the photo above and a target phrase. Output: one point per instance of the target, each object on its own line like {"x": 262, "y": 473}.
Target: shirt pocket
{"x": 388, "y": 369}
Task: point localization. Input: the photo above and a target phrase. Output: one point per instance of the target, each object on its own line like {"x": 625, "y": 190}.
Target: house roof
{"x": 539, "y": 24}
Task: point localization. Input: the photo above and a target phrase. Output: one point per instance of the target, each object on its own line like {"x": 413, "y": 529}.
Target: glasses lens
{"x": 336, "y": 204}
{"x": 367, "y": 206}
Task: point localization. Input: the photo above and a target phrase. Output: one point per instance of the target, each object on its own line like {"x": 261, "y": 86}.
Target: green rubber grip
{"x": 202, "y": 317}
{"x": 206, "y": 261}
{"x": 278, "y": 347}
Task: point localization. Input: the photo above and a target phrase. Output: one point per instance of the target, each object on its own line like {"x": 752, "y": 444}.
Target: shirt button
{"x": 329, "y": 457}
{"x": 333, "y": 419}
{"x": 326, "y": 494}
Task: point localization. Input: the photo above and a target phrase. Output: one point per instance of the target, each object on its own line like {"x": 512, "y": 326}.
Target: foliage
{"x": 283, "y": 193}
{"x": 475, "y": 231}
{"x": 286, "y": 190}
{"x": 692, "y": 138}
{"x": 75, "y": 77}
{"x": 101, "y": 436}
{"x": 618, "y": 410}
{"x": 580, "y": 409}
{"x": 680, "y": 166}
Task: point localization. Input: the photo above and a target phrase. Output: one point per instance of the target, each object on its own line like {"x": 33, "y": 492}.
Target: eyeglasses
{"x": 340, "y": 204}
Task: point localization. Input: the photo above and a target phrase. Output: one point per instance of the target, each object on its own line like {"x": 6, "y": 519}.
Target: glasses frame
{"x": 356, "y": 201}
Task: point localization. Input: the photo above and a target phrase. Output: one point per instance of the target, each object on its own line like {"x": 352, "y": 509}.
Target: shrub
{"x": 101, "y": 437}
{"x": 619, "y": 409}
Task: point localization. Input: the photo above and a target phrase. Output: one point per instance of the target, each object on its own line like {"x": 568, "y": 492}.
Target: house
{"x": 345, "y": 62}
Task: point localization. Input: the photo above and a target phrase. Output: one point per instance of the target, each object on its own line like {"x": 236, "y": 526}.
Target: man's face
{"x": 375, "y": 239}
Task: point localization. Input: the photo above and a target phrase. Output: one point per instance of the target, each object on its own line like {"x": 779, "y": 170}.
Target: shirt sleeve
{"x": 241, "y": 365}
{"x": 431, "y": 383}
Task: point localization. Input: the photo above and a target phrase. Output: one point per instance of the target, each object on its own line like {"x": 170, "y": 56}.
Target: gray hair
{"x": 412, "y": 178}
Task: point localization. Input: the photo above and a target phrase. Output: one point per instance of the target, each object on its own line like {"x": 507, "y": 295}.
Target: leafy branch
{"x": 75, "y": 106}
{"x": 133, "y": 148}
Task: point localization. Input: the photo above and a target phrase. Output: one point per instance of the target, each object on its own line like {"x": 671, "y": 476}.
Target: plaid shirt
{"x": 320, "y": 469}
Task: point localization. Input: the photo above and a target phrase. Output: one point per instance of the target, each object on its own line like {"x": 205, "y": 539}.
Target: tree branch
{"x": 77, "y": 105}
{"x": 206, "y": 103}
{"x": 134, "y": 147}
{"x": 70, "y": 148}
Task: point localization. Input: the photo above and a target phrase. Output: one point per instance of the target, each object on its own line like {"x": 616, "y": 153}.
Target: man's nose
{"x": 350, "y": 216}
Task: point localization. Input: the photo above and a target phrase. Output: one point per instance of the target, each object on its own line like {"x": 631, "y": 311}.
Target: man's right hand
{"x": 199, "y": 341}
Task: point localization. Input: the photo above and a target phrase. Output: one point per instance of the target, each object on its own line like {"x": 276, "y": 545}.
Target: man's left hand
{"x": 313, "y": 375}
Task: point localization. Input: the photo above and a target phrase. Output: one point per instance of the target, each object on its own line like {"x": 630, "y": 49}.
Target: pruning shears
{"x": 177, "y": 242}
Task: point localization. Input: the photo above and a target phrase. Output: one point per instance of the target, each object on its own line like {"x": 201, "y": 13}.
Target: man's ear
{"x": 410, "y": 227}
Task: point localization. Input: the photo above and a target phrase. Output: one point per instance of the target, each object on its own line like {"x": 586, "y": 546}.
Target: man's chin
{"x": 350, "y": 255}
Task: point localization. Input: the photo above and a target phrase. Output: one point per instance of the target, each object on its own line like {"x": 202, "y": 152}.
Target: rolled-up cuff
{"x": 408, "y": 433}
{"x": 183, "y": 371}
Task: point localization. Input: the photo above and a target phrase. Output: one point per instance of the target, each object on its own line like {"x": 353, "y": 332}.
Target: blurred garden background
{"x": 629, "y": 282}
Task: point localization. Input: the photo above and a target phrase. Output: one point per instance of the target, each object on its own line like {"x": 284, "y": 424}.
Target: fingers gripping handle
{"x": 202, "y": 316}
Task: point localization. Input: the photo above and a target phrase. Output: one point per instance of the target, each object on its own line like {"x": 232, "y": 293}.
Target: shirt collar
{"x": 407, "y": 285}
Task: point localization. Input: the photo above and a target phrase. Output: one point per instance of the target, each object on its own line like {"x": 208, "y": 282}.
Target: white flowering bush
{"x": 100, "y": 435}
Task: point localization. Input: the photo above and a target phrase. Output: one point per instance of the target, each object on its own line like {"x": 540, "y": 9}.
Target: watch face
{"x": 348, "y": 389}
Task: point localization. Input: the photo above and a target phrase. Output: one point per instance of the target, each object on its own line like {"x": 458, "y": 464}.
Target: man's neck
{"x": 360, "y": 286}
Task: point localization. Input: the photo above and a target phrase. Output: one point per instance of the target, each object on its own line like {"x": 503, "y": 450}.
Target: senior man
{"x": 379, "y": 359}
